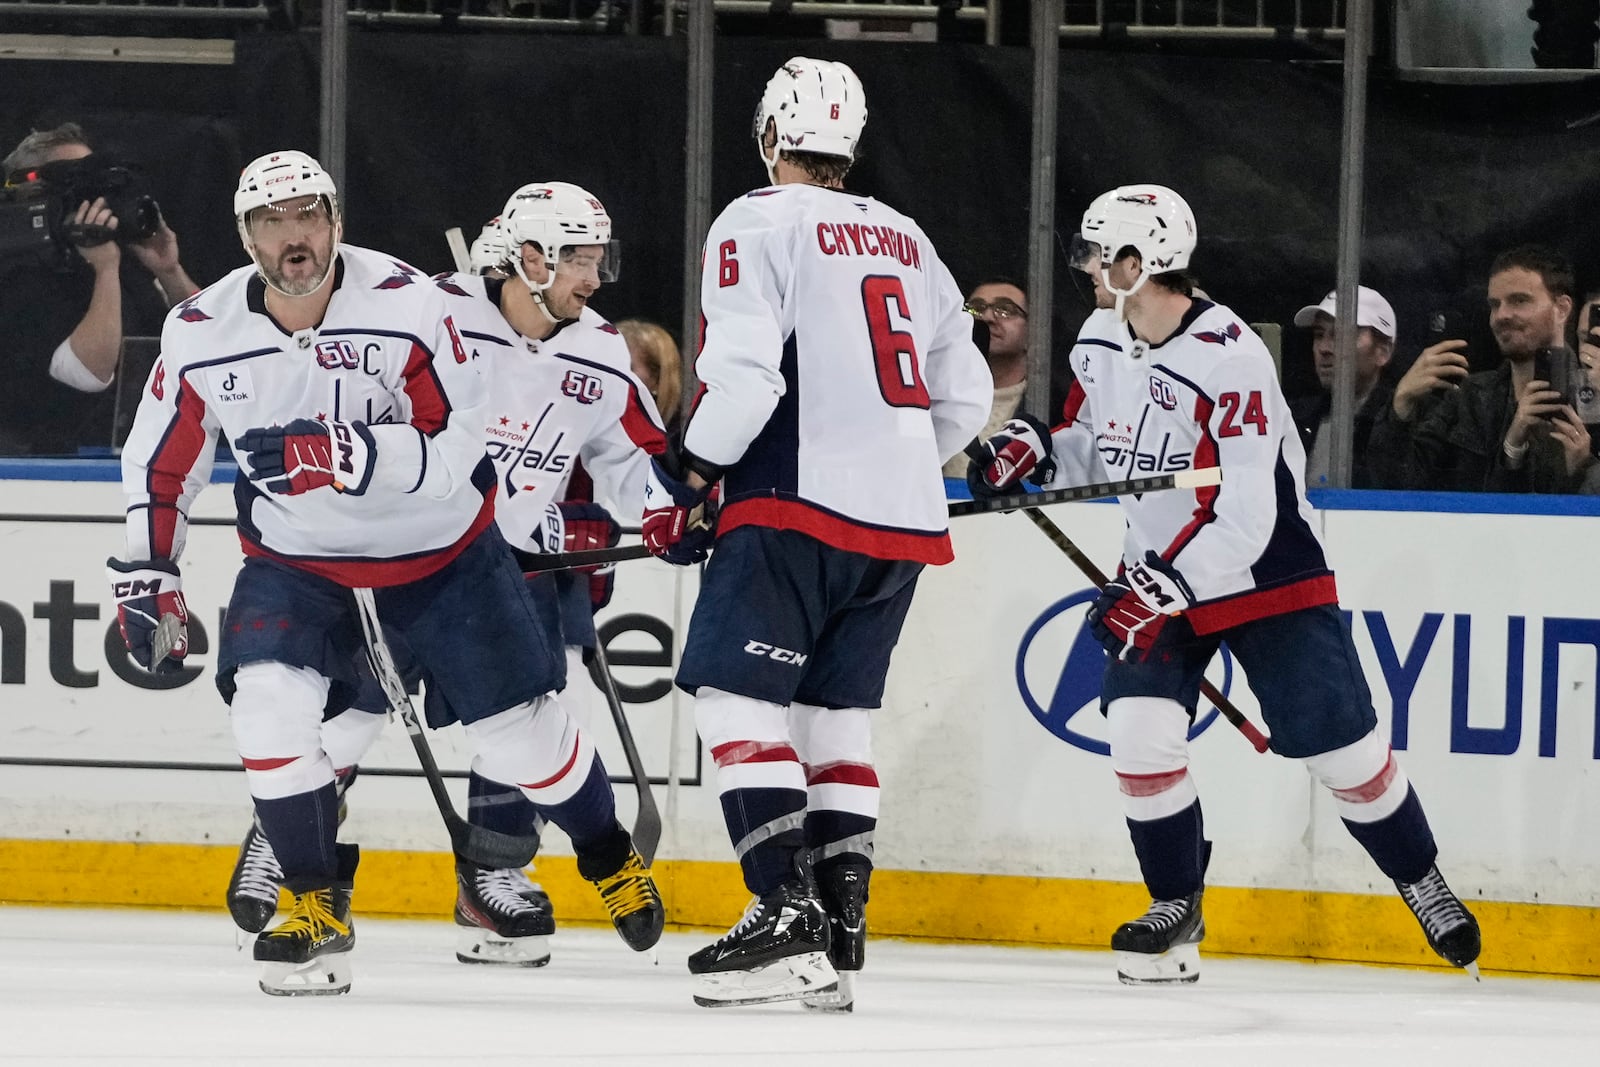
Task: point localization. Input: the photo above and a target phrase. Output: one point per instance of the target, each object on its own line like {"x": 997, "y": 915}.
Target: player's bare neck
{"x": 519, "y": 309}
{"x": 1155, "y": 313}
{"x": 296, "y": 313}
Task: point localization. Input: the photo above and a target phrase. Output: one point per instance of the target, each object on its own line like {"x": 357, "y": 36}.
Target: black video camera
{"x": 37, "y": 206}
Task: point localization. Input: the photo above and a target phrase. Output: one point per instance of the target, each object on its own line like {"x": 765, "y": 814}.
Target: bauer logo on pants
{"x": 1059, "y": 664}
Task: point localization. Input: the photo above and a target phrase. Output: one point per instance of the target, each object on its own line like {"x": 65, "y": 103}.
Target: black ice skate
{"x": 499, "y": 919}
{"x": 626, "y": 888}
{"x": 1452, "y": 931}
{"x": 308, "y": 954}
{"x": 1163, "y": 944}
{"x": 843, "y": 891}
{"x": 253, "y": 889}
{"x": 777, "y": 951}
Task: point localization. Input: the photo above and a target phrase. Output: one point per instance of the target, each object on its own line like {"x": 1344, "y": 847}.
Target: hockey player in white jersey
{"x": 353, "y": 403}
{"x": 564, "y": 404}
{"x": 1166, "y": 381}
{"x": 839, "y": 374}
{"x": 488, "y": 253}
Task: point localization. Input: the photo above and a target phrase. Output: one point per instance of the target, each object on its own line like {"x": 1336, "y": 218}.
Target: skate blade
{"x": 842, "y": 999}
{"x": 791, "y": 978}
{"x": 1472, "y": 969}
{"x": 325, "y": 976}
{"x": 477, "y": 945}
{"x": 1179, "y": 965}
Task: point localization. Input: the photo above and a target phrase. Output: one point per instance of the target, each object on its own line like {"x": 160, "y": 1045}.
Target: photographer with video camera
{"x": 67, "y": 294}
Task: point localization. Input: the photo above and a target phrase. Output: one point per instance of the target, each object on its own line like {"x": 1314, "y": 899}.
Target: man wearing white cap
{"x": 1312, "y": 412}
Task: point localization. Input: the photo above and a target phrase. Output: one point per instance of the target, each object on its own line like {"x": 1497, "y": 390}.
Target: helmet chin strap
{"x": 536, "y": 290}
{"x": 771, "y": 164}
{"x": 1123, "y": 294}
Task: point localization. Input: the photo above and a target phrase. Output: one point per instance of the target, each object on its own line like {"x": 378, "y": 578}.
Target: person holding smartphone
{"x": 1504, "y": 430}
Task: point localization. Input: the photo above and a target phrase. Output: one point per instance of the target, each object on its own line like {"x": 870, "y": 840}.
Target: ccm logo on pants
{"x": 782, "y": 655}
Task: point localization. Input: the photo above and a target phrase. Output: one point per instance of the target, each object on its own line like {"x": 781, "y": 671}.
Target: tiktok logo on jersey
{"x": 231, "y": 385}
{"x": 1059, "y": 668}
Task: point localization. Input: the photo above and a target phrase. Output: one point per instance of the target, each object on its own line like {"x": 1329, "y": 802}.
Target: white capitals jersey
{"x": 1208, "y": 396}
{"x": 385, "y": 355}
{"x": 571, "y": 397}
{"x": 838, "y": 372}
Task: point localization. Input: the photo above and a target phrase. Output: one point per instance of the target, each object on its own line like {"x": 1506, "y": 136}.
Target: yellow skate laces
{"x": 629, "y": 890}
{"x": 311, "y": 915}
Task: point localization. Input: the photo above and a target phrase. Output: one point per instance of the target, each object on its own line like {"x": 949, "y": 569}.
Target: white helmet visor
{"x": 1084, "y": 255}
{"x": 600, "y": 262}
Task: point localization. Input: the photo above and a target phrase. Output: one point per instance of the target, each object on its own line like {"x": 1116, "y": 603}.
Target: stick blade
{"x": 1197, "y": 477}
{"x": 488, "y": 848}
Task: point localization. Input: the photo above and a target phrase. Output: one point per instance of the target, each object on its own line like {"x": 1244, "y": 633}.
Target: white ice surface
{"x": 134, "y": 987}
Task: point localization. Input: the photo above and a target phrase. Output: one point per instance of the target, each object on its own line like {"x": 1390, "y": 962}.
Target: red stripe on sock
{"x": 1373, "y": 788}
{"x": 267, "y": 764}
{"x": 1148, "y": 785}
{"x": 754, "y": 752}
{"x": 843, "y": 772}
{"x": 556, "y": 777}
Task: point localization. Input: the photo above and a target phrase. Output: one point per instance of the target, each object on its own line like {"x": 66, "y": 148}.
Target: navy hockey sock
{"x": 505, "y": 809}
{"x": 1402, "y": 845}
{"x": 301, "y": 829}
{"x": 767, "y": 828}
{"x": 842, "y": 835}
{"x": 1172, "y": 852}
{"x": 589, "y": 814}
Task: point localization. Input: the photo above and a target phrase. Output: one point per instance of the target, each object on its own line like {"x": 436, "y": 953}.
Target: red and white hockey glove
{"x": 679, "y": 523}
{"x": 148, "y": 593}
{"x": 586, "y": 526}
{"x": 1133, "y": 609}
{"x": 308, "y": 454}
{"x": 1020, "y": 450}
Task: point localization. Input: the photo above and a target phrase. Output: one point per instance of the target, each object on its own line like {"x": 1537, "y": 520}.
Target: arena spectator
{"x": 1312, "y": 412}
{"x": 1002, "y": 306}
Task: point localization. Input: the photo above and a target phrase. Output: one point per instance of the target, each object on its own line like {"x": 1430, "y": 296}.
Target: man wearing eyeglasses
{"x": 1001, "y": 305}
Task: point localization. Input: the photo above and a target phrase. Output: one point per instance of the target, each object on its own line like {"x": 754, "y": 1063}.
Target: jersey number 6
{"x": 893, "y": 351}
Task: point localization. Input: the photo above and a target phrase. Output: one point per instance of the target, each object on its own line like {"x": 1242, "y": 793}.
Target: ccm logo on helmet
{"x": 782, "y": 655}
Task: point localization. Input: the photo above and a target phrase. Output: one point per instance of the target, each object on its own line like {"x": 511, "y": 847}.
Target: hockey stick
{"x": 1189, "y": 479}
{"x": 458, "y": 249}
{"x": 534, "y": 563}
{"x": 1059, "y": 538}
{"x": 164, "y": 640}
{"x": 647, "y": 823}
{"x": 561, "y": 561}
{"x": 484, "y": 847}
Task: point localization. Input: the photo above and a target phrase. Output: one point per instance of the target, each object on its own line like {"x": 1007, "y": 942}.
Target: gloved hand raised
{"x": 1132, "y": 610}
{"x": 147, "y": 592}
{"x": 308, "y": 454}
{"x": 680, "y": 522}
{"x": 1020, "y": 450}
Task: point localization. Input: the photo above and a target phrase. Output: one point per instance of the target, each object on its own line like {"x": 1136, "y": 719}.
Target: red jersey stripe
{"x": 834, "y": 530}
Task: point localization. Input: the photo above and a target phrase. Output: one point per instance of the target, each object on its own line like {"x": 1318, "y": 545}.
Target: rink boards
{"x": 1479, "y": 631}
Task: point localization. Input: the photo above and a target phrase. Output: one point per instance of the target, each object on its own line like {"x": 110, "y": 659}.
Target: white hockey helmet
{"x": 490, "y": 250}
{"x": 280, "y": 176}
{"x": 557, "y": 215}
{"x": 816, "y": 105}
{"x": 1151, "y": 219}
